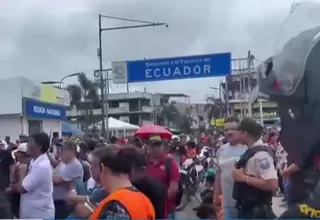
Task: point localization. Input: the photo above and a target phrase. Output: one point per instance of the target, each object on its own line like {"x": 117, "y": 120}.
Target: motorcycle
{"x": 190, "y": 172}
{"x": 208, "y": 159}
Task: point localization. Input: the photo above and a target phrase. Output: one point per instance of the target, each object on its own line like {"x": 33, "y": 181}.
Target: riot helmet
{"x": 291, "y": 77}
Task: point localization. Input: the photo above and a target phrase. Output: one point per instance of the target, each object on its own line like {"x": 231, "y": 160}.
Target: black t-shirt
{"x": 6, "y": 161}
{"x": 155, "y": 191}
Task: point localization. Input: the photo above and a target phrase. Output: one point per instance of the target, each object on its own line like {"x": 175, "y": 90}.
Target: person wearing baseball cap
{"x": 164, "y": 169}
{"x": 155, "y": 141}
{"x": 20, "y": 170}
{"x": 67, "y": 174}
{"x": 255, "y": 174}
{"x": 148, "y": 185}
{"x": 20, "y": 152}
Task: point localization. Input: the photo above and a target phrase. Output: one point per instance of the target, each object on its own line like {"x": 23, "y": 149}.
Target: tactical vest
{"x": 244, "y": 193}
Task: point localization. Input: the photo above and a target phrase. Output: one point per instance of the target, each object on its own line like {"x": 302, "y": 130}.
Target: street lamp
{"x": 67, "y": 76}
{"x": 61, "y": 81}
{"x": 217, "y": 89}
{"x": 50, "y": 82}
{"x": 220, "y": 89}
{"x": 104, "y": 108}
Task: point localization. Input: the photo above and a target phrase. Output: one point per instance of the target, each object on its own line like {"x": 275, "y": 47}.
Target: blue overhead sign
{"x": 37, "y": 109}
{"x": 210, "y": 65}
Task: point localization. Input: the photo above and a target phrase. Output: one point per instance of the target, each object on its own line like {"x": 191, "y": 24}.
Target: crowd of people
{"x": 134, "y": 178}
{"x": 46, "y": 179}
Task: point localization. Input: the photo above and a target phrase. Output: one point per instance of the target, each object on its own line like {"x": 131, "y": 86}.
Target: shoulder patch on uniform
{"x": 264, "y": 163}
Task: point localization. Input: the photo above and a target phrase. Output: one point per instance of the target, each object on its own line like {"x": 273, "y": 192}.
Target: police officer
{"x": 255, "y": 174}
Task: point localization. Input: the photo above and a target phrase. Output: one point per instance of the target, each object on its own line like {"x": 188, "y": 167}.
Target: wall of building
{"x": 51, "y": 126}
{"x": 11, "y": 125}
{"x": 14, "y": 125}
{"x": 15, "y": 88}
{"x": 135, "y": 108}
{"x": 13, "y": 91}
{"x": 11, "y": 96}
{"x": 265, "y": 104}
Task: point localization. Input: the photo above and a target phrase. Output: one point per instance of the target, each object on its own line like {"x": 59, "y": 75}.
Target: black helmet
{"x": 292, "y": 79}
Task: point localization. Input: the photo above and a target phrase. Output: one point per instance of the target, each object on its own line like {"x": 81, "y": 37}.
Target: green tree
{"x": 90, "y": 95}
{"x": 170, "y": 113}
{"x": 76, "y": 95}
{"x": 214, "y": 108}
{"x": 185, "y": 124}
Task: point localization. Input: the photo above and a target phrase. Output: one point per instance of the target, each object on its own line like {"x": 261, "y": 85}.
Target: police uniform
{"x": 261, "y": 165}
{"x": 253, "y": 202}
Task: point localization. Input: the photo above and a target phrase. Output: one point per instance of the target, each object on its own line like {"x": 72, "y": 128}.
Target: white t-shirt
{"x": 37, "y": 202}
{"x": 91, "y": 184}
{"x": 227, "y": 156}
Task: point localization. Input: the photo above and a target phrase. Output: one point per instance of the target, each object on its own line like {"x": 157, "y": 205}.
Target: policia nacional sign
{"x": 36, "y": 109}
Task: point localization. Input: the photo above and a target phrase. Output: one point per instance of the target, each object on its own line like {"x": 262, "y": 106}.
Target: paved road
{"x": 189, "y": 213}
{"x": 277, "y": 206}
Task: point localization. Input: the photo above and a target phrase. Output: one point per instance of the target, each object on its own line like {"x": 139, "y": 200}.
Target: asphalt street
{"x": 189, "y": 213}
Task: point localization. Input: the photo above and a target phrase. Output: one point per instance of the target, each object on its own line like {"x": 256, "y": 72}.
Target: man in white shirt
{"x": 227, "y": 156}
{"x": 37, "y": 187}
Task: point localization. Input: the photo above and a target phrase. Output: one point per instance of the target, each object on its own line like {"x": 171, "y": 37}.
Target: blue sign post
{"x": 211, "y": 65}
{"x": 37, "y": 109}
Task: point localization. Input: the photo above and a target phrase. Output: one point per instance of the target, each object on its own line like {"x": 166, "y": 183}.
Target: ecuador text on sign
{"x": 179, "y": 68}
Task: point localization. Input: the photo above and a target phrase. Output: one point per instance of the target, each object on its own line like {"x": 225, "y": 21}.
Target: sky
{"x": 46, "y": 40}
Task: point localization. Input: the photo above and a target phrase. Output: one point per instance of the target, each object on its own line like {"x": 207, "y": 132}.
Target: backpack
{"x": 244, "y": 193}
{"x": 168, "y": 163}
{"x": 251, "y": 152}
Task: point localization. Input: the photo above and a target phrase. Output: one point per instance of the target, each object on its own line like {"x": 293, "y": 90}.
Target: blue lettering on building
{"x": 37, "y": 109}
{"x": 211, "y": 65}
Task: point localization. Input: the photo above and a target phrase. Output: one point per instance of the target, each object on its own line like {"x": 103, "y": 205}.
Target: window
{"x": 35, "y": 126}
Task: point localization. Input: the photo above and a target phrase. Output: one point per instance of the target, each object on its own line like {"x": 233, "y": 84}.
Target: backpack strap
{"x": 167, "y": 164}
{"x": 251, "y": 152}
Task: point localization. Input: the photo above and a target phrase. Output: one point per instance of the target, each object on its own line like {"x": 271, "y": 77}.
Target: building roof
{"x": 174, "y": 95}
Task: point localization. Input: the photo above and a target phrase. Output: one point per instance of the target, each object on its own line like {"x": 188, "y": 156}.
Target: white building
{"x": 27, "y": 107}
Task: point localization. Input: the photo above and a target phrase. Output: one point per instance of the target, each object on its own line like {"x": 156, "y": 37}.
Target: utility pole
{"x": 241, "y": 85}
{"x": 104, "y": 100}
{"x": 227, "y": 97}
{"x": 104, "y": 111}
{"x": 155, "y": 113}
{"x": 250, "y": 59}
{"x": 261, "y": 112}
{"x": 240, "y": 71}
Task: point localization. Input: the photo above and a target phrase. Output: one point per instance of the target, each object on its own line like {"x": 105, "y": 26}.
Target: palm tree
{"x": 214, "y": 108}
{"x": 76, "y": 94}
{"x": 170, "y": 113}
{"x": 90, "y": 95}
{"x": 185, "y": 123}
